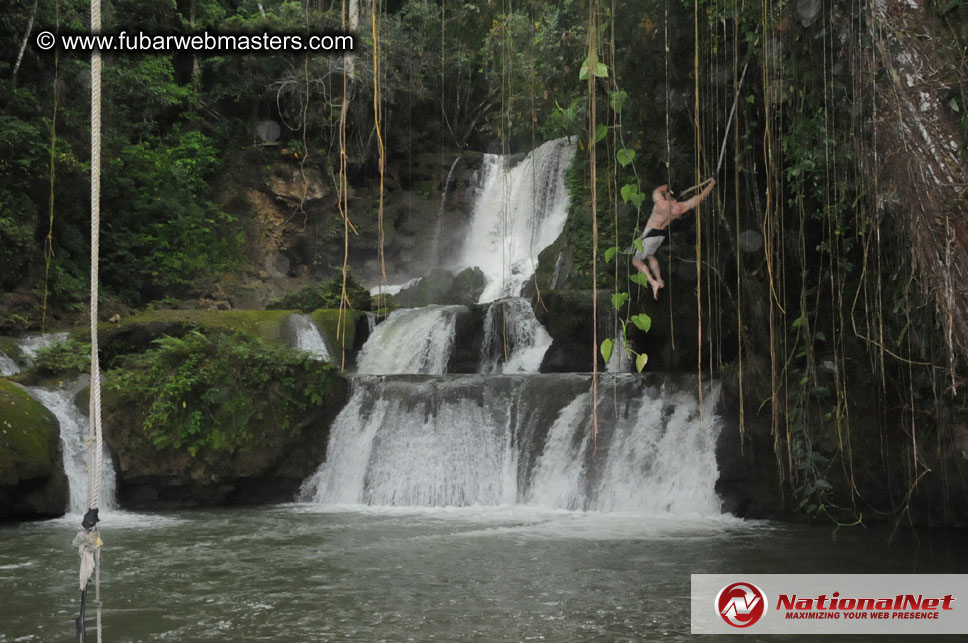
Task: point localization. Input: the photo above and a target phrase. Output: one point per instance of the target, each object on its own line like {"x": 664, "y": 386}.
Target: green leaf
{"x": 639, "y": 278}
{"x": 643, "y": 322}
{"x": 618, "y": 300}
{"x": 953, "y": 104}
{"x": 798, "y": 322}
{"x": 610, "y": 253}
{"x": 625, "y": 156}
{"x": 637, "y": 242}
{"x": 804, "y": 380}
{"x": 601, "y": 70}
{"x": 628, "y": 191}
{"x": 606, "y": 349}
{"x": 601, "y": 132}
{"x": 617, "y": 100}
{"x": 641, "y": 361}
{"x": 823, "y": 485}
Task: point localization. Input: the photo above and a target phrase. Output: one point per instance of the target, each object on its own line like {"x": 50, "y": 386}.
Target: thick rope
{"x": 88, "y": 539}
{"x": 592, "y": 136}
{"x": 94, "y": 491}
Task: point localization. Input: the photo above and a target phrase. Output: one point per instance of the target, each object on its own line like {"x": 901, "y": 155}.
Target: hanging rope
{"x": 698, "y": 146}
{"x": 49, "y": 240}
{"x": 592, "y": 130}
{"x": 88, "y": 539}
{"x": 379, "y": 138}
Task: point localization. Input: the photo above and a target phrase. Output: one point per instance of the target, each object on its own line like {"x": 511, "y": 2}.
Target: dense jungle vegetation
{"x": 814, "y": 305}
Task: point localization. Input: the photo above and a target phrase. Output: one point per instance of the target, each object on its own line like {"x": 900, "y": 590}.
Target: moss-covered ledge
{"x": 32, "y": 479}
{"x": 136, "y": 333}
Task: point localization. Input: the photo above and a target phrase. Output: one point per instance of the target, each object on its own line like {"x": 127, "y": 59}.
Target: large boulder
{"x": 444, "y": 287}
{"x": 32, "y": 479}
{"x": 241, "y": 425}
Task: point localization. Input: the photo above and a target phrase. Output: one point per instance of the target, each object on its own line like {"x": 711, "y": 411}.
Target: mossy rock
{"x": 274, "y": 431}
{"x": 267, "y": 324}
{"x": 9, "y": 346}
{"x": 445, "y": 288}
{"x": 328, "y": 322}
{"x": 135, "y": 334}
{"x": 324, "y": 295}
{"x": 32, "y": 479}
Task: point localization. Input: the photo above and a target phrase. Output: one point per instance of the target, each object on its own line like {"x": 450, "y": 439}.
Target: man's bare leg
{"x": 656, "y": 276}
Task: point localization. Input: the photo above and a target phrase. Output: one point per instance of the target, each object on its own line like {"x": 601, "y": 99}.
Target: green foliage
{"x": 606, "y": 348}
{"x": 619, "y": 299}
{"x": 210, "y": 394}
{"x": 600, "y": 70}
{"x": 325, "y": 295}
{"x": 64, "y": 359}
{"x": 21, "y": 157}
{"x": 164, "y": 231}
{"x": 630, "y": 193}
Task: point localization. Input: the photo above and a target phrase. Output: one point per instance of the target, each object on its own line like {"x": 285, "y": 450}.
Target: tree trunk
{"x": 23, "y": 44}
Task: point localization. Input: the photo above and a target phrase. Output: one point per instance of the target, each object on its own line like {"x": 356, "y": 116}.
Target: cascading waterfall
{"x": 411, "y": 340}
{"x": 486, "y": 440}
{"x": 30, "y": 344}
{"x": 514, "y": 340}
{"x": 517, "y": 213}
{"x": 305, "y": 336}
{"x": 73, "y": 428}
{"x": 7, "y": 365}
{"x": 74, "y": 434}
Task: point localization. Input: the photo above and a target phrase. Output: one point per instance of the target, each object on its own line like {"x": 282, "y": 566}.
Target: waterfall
{"x": 499, "y": 439}
{"x": 30, "y": 344}
{"x": 305, "y": 336}
{"x": 411, "y": 340}
{"x": 559, "y": 474}
{"x": 7, "y": 366}
{"x": 517, "y": 213}
{"x": 514, "y": 341}
{"x": 73, "y": 433}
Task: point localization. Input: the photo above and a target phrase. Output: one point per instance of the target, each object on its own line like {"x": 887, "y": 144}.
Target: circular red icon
{"x": 741, "y": 604}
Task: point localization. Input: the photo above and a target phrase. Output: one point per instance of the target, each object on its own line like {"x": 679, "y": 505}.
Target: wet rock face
{"x": 444, "y": 287}
{"x": 32, "y": 479}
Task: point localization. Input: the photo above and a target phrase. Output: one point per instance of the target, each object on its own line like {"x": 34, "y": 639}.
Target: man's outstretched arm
{"x": 689, "y": 204}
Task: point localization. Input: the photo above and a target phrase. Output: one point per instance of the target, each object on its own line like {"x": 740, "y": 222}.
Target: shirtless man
{"x": 656, "y": 230}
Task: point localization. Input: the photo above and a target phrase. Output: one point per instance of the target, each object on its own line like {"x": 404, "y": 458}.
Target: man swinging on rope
{"x": 657, "y": 229}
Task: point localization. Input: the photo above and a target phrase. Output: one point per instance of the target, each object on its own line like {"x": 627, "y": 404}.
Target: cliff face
{"x": 918, "y": 161}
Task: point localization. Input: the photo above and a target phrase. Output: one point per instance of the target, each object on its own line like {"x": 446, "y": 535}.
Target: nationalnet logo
{"x": 830, "y": 604}
{"x": 741, "y": 604}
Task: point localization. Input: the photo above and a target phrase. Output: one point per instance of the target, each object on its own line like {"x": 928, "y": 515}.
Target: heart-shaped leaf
{"x": 640, "y": 278}
{"x": 606, "y": 349}
{"x": 640, "y": 362}
{"x": 643, "y": 322}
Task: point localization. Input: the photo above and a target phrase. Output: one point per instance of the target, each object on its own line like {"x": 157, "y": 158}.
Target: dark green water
{"x": 311, "y": 573}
